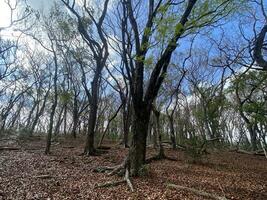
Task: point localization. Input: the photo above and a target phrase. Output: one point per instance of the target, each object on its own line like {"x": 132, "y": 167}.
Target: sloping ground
{"x": 28, "y": 174}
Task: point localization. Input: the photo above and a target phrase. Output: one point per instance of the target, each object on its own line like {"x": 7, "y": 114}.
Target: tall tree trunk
{"x": 29, "y": 119}
{"x": 16, "y": 116}
{"x": 65, "y": 120}
{"x": 126, "y": 115}
{"x": 158, "y": 132}
{"x": 253, "y": 137}
{"x": 137, "y": 152}
{"x": 50, "y": 129}
{"x": 54, "y": 105}
{"x": 172, "y": 133}
{"x": 37, "y": 117}
{"x": 59, "y": 121}
{"x": 75, "y": 117}
{"x": 89, "y": 145}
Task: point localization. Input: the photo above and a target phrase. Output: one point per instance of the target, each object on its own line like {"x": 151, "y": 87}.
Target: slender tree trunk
{"x": 39, "y": 113}
{"x": 54, "y": 106}
{"x": 65, "y": 120}
{"x": 50, "y": 129}
{"x": 29, "y": 119}
{"x": 59, "y": 121}
{"x": 172, "y": 133}
{"x": 158, "y": 132}
{"x": 89, "y": 146}
{"x": 75, "y": 117}
{"x": 16, "y": 116}
{"x": 126, "y": 122}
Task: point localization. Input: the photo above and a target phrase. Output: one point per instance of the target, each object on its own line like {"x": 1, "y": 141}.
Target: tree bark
{"x": 126, "y": 115}
{"x": 89, "y": 146}
{"x": 172, "y": 133}
{"x": 75, "y": 117}
{"x": 137, "y": 152}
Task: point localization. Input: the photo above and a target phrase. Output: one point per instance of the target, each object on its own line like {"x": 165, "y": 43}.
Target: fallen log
{"x": 197, "y": 192}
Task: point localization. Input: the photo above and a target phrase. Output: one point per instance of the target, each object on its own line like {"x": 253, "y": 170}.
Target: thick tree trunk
{"x": 137, "y": 153}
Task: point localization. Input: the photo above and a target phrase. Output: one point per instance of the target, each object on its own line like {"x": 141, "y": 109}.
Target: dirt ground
{"x": 27, "y": 173}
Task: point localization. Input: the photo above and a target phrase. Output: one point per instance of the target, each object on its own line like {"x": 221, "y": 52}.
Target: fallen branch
{"x": 45, "y": 176}
{"x": 250, "y": 152}
{"x": 9, "y": 148}
{"x": 68, "y": 147}
{"x": 198, "y": 192}
{"x": 103, "y": 169}
{"x": 110, "y": 184}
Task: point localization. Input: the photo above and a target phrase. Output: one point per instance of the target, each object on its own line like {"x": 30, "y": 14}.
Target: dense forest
{"x": 133, "y": 99}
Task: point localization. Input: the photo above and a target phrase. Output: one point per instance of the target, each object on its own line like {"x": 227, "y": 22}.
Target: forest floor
{"x": 26, "y": 173}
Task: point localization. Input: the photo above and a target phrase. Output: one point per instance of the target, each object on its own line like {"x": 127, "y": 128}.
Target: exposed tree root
{"x": 197, "y": 192}
{"x": 123, "y": 168}
{"x": 116, "y": 183}
{"x": 127, "y": 178}
{"x": 120, "y": 169}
